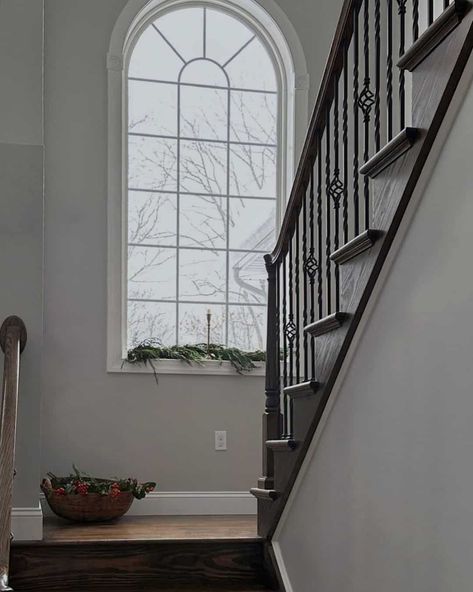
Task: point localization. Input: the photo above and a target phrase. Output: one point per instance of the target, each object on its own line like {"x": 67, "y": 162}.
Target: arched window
{"x": 207, "y": 154}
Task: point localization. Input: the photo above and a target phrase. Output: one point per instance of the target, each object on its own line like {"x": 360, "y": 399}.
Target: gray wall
{"x": 108, "y": 422}
{"x": 21, "y": 214}
{"x": 386, "y": 500}
{"x": 103, "y": 422}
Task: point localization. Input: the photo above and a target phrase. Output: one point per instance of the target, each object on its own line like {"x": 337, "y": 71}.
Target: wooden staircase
{"x": 353, "y": 184}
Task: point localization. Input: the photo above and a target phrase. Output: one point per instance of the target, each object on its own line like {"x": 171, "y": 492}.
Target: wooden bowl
{"x": 92, "y": 507}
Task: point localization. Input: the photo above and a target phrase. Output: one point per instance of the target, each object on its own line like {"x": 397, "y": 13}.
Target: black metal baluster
{"x": 278, "y": 322}
{"x": 365, "y": 102}
{"x": 291, "y": 327}
{"x": 446, "y": 3}
{"x": 430, "y": 12}
{"x": 320, "y": 297}
{"x": 389, "y": 70}
{"x": 415, "y": 20}
{"x": 402, "y": 76}
{"x": 311, "y": 265}
{"x": 356, "y": 212}
{"x": 285, "y": 340}
{"x": 328, "y": 245}
{"x": 305, "y": 305}
{"x": 298, "y": 303}
{"x": 335, "y": 190}
{"x": 377, "y": 94}
{"x": 345, "y": 144}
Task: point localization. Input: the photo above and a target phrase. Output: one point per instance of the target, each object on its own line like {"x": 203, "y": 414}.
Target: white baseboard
{"x": 27, "y": 524}
{"x": 182, "y": 503}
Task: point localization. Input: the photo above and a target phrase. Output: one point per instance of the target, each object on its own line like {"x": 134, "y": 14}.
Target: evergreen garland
{"x": 151, "y": 350}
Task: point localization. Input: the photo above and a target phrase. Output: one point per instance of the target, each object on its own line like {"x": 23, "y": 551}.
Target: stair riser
{"x": 138, "y": 566}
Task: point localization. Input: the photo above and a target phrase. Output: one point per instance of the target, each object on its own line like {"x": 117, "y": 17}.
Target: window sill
{"x": 207, "y": 368}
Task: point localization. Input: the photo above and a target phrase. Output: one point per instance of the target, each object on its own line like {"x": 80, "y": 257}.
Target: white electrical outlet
{"x": 220, "y": 440}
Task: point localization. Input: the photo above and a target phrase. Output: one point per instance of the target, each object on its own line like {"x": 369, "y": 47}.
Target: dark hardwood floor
{"x": 153, "y": 528}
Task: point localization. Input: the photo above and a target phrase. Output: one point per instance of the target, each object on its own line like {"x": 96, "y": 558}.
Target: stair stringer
{"x": 434, "y": 82}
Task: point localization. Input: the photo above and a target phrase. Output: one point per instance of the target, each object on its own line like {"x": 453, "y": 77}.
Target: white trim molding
{"x": 277, "y": 32}
{"x": 27, "y": 524}
{"x": 190, "y": 503}
{"x": 205, "y": 368}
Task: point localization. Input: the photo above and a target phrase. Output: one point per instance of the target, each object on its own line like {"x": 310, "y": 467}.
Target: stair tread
{"x": 327, "y": 324}
{"x": 356, "y": 246}
{"x": 307, "y": 388}
{"x": 283, "y": 444}
{"x": 265, "y": 494}
{"x": 389, "y": 153}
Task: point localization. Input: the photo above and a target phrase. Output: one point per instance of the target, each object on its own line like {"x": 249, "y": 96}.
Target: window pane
{"x": 202, "y": 275}
{"x": 203, "y": 221}
{"x": 252, "y": 224}
{"x": 253, "y": 171}
{"x": 151, "y": 320}
{"x": 247, "y": 327}
{"x": 184, "y": 29}
{"x": 152, "y": 218}
{"x": 152, "y": 108}
{"x": 225, "y": 35}
{"x": 151, "y": 273}
{"x": 248, "y": 278}
{"x": 144, "y": 62}
{"x": 152, "y": 163}
{"x": 193, "y": 323}
{"x": 253, "y": 117}
{"x": 252, "y": 68}
{"x": 204, "y": 72}
{"x": 203, "y": 167}
{"x": 204, "y": 113}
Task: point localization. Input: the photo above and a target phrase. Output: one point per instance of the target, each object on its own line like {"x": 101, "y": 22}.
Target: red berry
{"x": 60, "y": 491}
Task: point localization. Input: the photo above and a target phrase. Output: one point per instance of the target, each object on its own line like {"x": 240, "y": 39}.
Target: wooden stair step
{"x": 138, "y": 565}
{"x": 269, "y": 495}
{"x": 356, "y": 246}
{"x": 394, "y": 149}
{"x": 434, "y": 35}
{"x": 282, "y": 445}
{"x": 303, "y": 389}
{"x": 327, "y": 324}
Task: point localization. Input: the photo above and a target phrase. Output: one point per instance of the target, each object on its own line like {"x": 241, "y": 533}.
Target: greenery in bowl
{"x": 79, "y": 483}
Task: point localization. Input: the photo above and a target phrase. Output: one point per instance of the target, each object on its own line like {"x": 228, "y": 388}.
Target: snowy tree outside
{"x": 202, "y": 184}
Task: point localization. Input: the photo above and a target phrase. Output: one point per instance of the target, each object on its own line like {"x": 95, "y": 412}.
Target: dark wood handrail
{"x": 333, "y": 67}
{"x": 12, "y": 341}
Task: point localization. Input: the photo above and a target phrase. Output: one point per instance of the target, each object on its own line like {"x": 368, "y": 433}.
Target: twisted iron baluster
{"x": 389, "y": 70}
{"x": 311, "y": 265}
{"x": 285, "y": 348}
{"x": 356, "y": 213}
{"x": 298, "y": 304}
{"x": 377, "y": 108}
{"x": 402, "y": 76}
{"x": 335, "y": 190}
{"x": 365, "y": 102}
{"x": 305, "y": 295}
{"x": 320, "y": 297}
{"x": 415, "y": 20}
{"x": 328, "y": 247}
{"x": 345, "y": 143}
{"x": 430, "y": 12}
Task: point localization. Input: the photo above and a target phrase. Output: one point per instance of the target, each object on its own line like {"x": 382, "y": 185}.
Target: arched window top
{"x": 202, "y": 45}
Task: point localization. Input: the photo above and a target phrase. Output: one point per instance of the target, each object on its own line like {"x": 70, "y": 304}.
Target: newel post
{"x": 272, "y": 412}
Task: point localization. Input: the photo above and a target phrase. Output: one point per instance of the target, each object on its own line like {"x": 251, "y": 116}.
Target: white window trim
{"x": 277, "y": 31}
